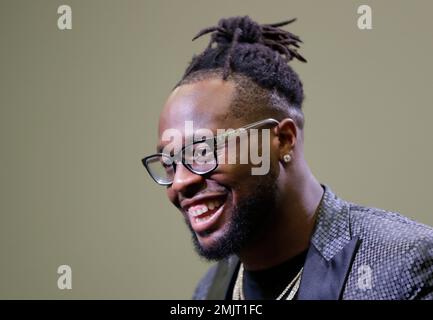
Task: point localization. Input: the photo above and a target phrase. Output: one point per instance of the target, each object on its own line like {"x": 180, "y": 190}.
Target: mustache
{"x": 213, "y": 190}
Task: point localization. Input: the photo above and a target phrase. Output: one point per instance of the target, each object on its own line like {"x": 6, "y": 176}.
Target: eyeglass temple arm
{"x": 261, "y": 122}
{"x": 247, "y": 127}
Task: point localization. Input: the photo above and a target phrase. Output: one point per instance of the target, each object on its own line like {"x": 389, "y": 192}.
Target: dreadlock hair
{"x": 256, "y": 58}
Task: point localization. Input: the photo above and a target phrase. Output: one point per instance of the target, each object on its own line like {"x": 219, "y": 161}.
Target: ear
{"x": 287, "y": 133}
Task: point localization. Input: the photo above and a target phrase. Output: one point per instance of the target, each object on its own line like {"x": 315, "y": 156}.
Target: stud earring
{"x": 287, "y": 158}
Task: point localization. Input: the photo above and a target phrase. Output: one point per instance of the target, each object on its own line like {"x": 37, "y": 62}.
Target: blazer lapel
{"x": 322, "y": 279}
{"x": 331, "y": 251}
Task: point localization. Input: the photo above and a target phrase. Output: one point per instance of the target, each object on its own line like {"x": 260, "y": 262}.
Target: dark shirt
{"x": 268, "y": 284}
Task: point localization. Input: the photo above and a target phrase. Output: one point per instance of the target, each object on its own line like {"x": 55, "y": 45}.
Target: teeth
{"x": 202, "y": 208}
{"x": 197, "y": 210}
{"x": 211, "y": 205}
{"x": 203, "y": 219}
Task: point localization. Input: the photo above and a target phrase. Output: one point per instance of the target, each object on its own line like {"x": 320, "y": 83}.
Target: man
{"x": 282, "y": 234}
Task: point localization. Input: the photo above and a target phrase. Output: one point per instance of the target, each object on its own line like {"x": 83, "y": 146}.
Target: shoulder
{"x": 397, "y": 250}
{"x": 204, "y": 284}
{"x": 387, "y": 226}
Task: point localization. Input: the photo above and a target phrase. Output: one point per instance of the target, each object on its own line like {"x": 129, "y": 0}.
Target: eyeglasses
{"x": 199, "y": 157}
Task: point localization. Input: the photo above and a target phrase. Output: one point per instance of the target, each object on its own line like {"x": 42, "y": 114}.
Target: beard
{"x": 250, "y": 217}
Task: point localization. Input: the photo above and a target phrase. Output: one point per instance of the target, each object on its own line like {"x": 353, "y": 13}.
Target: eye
{"x": 166, "y": 165}
{"x": 167, "y": 162}
{"x": 203, "y": 151}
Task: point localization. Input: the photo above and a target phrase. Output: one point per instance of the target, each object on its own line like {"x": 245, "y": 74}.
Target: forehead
{"x": 207, "y": 103}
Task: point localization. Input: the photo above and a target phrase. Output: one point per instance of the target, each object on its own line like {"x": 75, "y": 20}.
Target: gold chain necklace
{"x": 293, "y": 286}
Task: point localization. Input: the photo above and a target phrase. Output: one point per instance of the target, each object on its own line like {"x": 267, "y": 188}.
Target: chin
{"x": 214, "y": 246}
{"x": 211, "y": 240}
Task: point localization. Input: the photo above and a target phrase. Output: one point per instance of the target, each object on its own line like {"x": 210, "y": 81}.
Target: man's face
{"x": 236, "y": 204}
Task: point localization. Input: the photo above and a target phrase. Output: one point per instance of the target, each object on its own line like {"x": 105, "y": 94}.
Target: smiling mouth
{"x": 204, "y": 215}
{"x": 203, "y": 212}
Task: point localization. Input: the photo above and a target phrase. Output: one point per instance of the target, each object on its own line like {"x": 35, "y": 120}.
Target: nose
{"x": 185, "y": 181}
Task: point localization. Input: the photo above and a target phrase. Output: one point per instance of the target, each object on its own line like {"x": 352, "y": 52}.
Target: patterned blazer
{"x": 355, "y": 252}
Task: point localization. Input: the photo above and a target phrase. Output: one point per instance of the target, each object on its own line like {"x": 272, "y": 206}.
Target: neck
{"x": 289, "y": 232}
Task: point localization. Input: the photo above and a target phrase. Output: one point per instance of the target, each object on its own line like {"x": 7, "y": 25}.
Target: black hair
{"x": 256, "y": 57}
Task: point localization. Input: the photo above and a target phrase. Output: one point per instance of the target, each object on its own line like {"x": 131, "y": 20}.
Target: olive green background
{"x": 79, "y": 108}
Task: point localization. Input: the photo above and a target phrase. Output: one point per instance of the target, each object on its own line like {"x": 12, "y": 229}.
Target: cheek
{"x": 234, "y": 173}
{"x": 238, "y": 178}
{"x": 239, "y": 175}
{"x": 241, "y": 181}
